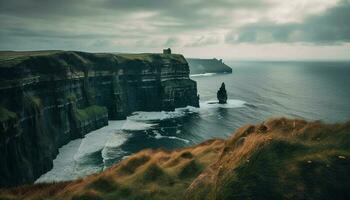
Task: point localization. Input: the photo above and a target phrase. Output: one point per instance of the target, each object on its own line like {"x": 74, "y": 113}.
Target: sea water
{"x": 256, "y": 91}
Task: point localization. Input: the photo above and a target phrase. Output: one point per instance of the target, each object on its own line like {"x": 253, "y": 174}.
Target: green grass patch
{"x": 90, "y": 112}
{"x": 6, "y": 114}
{"x": 71, "y": 97}
{"x": 35, "y": 101}
{"x": 153, "y": 57}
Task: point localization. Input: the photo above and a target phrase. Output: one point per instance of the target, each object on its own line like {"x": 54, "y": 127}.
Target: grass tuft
{"x": 89, "y": 195}
{"x": 90, "y": 112}
{"x": 103, "y": 184}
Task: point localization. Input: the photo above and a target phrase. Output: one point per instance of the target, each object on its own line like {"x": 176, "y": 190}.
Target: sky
{"x": 229, "y": 29}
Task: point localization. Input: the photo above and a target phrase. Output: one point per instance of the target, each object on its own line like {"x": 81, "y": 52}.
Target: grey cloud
{"x": 37, "y": 21}
{"x": 204, "y": 41}
{"x": 172, "y": 41}
{"x": 111, "y": 24}
{"x": 330, "y": 27}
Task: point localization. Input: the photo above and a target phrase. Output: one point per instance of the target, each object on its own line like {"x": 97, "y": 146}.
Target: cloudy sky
{"x": 231, "y": 29}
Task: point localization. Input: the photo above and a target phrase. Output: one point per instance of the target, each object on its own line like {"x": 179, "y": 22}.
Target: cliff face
{"x": 201, "y": 66}
{"x": 49, "y": 98}
{"x": 277, "y": 159}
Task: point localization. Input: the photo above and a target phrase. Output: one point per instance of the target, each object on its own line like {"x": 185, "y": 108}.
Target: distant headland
{"x": 202, "y": 66}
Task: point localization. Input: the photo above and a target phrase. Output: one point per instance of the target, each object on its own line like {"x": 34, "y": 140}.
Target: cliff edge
{"x": 51, "y": 97}
{"x": 277, "y": 159}
{"x": 202, "y": 66}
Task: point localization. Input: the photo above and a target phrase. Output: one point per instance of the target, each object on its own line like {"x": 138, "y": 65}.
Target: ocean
{"x": 256, "y": 90}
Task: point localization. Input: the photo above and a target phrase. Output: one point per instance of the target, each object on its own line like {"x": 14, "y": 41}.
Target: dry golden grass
{"x": 151, "y": 173}
{"x": 277, "y": 159}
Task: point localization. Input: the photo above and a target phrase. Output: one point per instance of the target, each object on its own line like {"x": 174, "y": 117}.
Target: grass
{"x": 277, "y": 159}
{"x": 4, "y": 55}
{"x": 13, "y": 58}
{"x": 71, "y": 97}
{"x": 35, "y": 101}
{"x": 6, "y": 115}
{"x": 90, "y": 112}
{"x": 88, "y": 195}
{"x": 82, "y": 60}
{"x": 291, "y": 159}
{"x": 152, "y": 57}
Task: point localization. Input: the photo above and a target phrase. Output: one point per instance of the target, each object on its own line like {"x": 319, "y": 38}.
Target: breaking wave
{"x": 205, "y": 74}
{"x": 231, "y": 103}
{"x": 160, "y": 136}
{"x": 161, "y": 115}
{"x": 87, "y": 155}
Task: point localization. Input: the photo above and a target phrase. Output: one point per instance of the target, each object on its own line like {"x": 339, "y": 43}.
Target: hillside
{"x": 277, "y": 159}
{"x": 202, "y": 66}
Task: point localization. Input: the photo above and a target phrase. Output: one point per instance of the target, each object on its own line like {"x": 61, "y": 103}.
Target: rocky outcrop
{"x": 51, "y": 97}
{"x": 202, "y": 66}
{"x": 222, "y": 94}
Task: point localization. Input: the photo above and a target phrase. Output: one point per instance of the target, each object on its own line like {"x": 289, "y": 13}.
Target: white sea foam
{"x": 231, "y": 103}
{"x": 161, "y": 115}
{"x": 96, "y": 140}
{"x": 205, "y": 74}
{"x": 112, "y": 148}
{"x": 131, "y": 125}
{"x": 74, "y": 158}
{"x": 64, "y": 165}
{"x": 160, "y": 136}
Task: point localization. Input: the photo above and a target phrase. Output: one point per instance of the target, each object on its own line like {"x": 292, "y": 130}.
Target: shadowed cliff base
{"x": 277, "y": 159}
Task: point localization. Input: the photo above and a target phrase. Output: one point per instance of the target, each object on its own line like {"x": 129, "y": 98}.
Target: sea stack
{"x": 222, "y": 95}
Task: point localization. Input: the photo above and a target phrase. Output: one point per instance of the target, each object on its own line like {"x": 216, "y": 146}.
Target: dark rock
{"x": 167, "y": 51}
{"x": 221, "y": 94}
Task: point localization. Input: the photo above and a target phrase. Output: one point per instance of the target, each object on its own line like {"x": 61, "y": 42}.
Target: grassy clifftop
{"x": 277, "y": 159}
{"x": 66, "y": 58}
{"x": 201, "y": 66}
{"x": 23, "y": 67}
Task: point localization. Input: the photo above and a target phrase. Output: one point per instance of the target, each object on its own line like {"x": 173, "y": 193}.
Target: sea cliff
{"x": 202, "y": 66}
{"x": 51, "y": 97}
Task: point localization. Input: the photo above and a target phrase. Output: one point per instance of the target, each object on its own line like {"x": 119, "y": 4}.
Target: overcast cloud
{"x": 193, "y": 27}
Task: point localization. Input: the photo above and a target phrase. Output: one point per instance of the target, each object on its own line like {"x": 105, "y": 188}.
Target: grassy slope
{"x": 278, "y": 159}
{"x": 10, "y": 59}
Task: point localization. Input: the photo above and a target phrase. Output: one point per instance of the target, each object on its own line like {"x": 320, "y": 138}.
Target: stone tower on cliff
{"x": 167, "y": 51}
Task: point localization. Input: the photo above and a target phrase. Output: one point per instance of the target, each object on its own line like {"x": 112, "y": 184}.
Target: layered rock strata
{"x": 51, "y": 97}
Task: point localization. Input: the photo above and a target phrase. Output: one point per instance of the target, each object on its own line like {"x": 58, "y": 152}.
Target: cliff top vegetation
{"x": 277, "y": 159}
{"x": 14, "y": 58}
